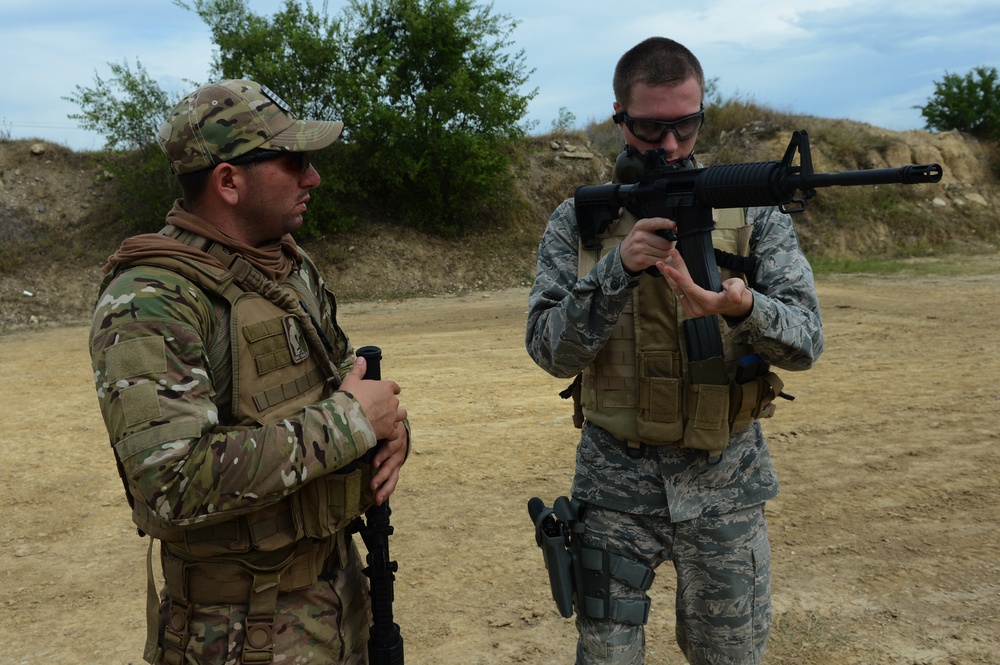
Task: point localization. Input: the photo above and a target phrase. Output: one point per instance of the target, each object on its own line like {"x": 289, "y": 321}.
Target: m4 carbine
{"x": 687, "y": 196}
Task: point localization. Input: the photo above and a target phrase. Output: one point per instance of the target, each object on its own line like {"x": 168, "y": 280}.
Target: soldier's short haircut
{"x": 655, "y": 61}
{"x": 193, "y": 184}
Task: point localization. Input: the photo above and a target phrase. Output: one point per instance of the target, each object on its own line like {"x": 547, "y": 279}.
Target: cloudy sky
{"x": 866, "y": 60}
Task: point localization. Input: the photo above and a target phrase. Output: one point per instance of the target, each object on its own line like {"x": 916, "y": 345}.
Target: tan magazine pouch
{"x": 328, "y": 504}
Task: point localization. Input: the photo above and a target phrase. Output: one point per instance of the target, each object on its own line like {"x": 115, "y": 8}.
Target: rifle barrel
{"x": 772, "y": 183}
{"x": 911, "y": 174}
{"x": 661, "y": 193}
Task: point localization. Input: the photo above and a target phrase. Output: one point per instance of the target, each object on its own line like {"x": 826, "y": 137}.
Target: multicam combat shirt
{"x": 181, "y": 463}
{"x": 571, "y": 318}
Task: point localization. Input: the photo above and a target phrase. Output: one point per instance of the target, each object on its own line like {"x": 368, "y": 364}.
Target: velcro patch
{"x": 139, "y": 403}
{"x": 136, "y": 357}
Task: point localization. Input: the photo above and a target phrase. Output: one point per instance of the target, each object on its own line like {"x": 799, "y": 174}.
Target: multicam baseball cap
{"x": 221, "y": 121}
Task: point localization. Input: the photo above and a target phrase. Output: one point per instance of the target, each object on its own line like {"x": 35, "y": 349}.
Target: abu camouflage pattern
{"x": 224, "y": 120}
{"x": 570, "y": 319}
{"x": 663, "y": 503}
{"x": 721, "y": 562}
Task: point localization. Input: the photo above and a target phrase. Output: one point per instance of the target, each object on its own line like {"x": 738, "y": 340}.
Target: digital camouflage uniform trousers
{"x": 720, "y": 562}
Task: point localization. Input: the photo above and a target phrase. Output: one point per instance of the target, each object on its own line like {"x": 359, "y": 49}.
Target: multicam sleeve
{"x": 785, "y": 326}
{"x": 156, "y": 393}
{"x": 570, "y": 318}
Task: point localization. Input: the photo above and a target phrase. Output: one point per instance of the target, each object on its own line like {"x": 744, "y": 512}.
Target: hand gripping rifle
{"x": 688, "y": 196}
{"x": 385, "y": 643}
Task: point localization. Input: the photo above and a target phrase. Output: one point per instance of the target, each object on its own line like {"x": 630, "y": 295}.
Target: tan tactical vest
{"x": 282, "y": 364}
{"x": 638, "y": 387}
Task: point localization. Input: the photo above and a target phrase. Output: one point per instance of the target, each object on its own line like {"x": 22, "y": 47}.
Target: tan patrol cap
{"x": 221, "y": 121}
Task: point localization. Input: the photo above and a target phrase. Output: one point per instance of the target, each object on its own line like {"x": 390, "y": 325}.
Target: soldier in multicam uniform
{"x": 236, "y": 408}
{"x": 651, "y": 489}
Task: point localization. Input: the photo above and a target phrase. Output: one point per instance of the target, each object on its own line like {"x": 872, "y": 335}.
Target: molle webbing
{"x": 221, "y": 582}
{"x": 254, "y": 280}
{"x": 642, "y": 386}
{"x": 614, "y": 367}
{"x": 286, "y": 391}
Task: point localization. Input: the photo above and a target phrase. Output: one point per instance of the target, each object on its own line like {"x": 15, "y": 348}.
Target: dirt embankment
{"x": 55, "y": 241}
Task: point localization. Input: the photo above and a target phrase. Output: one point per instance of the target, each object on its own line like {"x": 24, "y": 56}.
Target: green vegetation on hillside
{"x": 436, "y": 142}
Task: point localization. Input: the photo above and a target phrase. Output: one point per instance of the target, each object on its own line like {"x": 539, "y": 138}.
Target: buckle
{"x": 258, "y": 644}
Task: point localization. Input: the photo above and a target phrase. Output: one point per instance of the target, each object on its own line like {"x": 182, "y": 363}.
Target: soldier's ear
{"x": 226, "y": 181}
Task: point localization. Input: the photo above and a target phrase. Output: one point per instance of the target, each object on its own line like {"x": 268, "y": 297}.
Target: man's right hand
{"x": 642, "y": 247}
{"x": 377, "y": 399}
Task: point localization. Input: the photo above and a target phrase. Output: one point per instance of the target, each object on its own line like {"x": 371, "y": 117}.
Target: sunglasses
{"x": 298, "y": 162}
{"x": 650, "y": 130}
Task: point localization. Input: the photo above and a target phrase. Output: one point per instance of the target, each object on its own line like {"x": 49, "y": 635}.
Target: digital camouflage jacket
{"x": 570, "y": 318}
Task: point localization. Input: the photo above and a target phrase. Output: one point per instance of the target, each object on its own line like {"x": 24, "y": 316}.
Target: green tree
{"x": 290, "y": 53}
{"x": 969, "y": 103}
{"x": 126, "y": 109}
{"x": 428, "y": 91}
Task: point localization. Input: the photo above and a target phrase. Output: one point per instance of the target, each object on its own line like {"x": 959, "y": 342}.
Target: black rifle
{"x": 688, "y": 196}
{"x": 385, "y": 643}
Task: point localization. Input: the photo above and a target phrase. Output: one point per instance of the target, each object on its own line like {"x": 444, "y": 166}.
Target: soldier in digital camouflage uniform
{"x": 234, "y": 402}
{"x": 654, "y": 484}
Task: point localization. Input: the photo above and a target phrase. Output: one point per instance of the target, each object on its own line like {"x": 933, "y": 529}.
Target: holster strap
{"x": 630, "y": 572}
{"x": 598, "y": 604}
{"x": 635, "y": 612}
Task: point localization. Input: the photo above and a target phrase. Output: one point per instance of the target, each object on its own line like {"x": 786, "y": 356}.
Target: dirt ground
{"x": 884, "y": 535}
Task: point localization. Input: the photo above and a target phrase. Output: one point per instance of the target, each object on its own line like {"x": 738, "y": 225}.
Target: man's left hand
{"x": 735, "y": 301}
{"x": 388, "y": 459}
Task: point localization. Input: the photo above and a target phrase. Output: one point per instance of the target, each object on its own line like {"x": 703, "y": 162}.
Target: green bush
{"x": 127, "y": 109}
{"x": 969, "y": 103}
{"x": 144, "y": 189}
{"x": 428, "y": 91}
{"x": 429, "y": 96}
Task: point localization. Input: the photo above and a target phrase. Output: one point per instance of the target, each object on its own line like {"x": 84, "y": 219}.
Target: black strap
{"x": 742, "y": 264}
